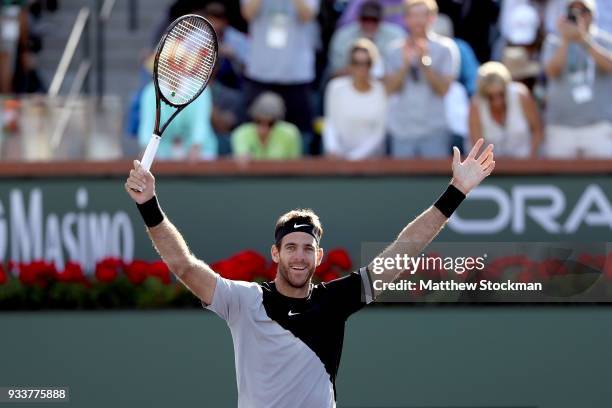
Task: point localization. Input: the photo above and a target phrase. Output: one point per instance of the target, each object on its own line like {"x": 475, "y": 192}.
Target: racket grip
{"x": 149, "y": 154}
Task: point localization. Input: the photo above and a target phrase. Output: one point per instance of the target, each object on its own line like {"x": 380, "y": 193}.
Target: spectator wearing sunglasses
{"x": 267, "y": 136}
{"x": 504, "y": 113}
{"x": 370, "y": 26}
{"x": 578, "y": 63}
{"x": 356, "y": 108}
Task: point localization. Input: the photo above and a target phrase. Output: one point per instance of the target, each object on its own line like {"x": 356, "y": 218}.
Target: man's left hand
{"x": 470, "y": 173}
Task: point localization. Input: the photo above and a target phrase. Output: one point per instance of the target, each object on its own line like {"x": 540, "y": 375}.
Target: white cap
{"x": 590, "y": 4}
{"x": 523, "y": 25}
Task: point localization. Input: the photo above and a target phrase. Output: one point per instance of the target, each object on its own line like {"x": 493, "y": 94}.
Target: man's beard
{"x": 286, "y": 274}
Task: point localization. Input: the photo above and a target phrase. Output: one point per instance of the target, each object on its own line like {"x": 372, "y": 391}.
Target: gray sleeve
{"x": 231, "y": 297}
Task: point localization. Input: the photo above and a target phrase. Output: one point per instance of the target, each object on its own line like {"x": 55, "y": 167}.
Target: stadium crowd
{"x": 20, "y": 40}
{"x": 401, "y": 78}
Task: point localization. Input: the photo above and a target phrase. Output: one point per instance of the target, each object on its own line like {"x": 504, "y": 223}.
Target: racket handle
{"x": 149, "y": 154}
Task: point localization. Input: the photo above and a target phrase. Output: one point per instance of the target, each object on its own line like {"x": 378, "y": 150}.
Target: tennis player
{"x": 288, "y": 333}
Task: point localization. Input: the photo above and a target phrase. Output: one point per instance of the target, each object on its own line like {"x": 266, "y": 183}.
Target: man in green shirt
{"x": 267, "y": 137}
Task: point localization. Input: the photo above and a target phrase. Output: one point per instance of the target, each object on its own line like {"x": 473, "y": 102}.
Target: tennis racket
{"x": 184, "y": 61}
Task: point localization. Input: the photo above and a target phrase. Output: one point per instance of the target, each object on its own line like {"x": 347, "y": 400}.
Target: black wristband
{"x": 151, "y": 212}
{"x": 449, "y": 201}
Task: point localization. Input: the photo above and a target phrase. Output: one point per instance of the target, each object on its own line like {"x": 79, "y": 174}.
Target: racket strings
{"x": 201, "y": 58}
{"x": 190, "y": 85}
{"x": 204, "y": 47}
{"x": 186, "y": 60}
{"x": 177, "y": 85}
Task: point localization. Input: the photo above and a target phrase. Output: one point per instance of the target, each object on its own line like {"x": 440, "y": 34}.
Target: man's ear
{"x": 275, "y": 254}
{"x": 319, "y": 256}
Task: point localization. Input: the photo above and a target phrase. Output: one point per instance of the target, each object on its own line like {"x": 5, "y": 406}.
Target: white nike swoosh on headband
{"x": 296, "y": 226}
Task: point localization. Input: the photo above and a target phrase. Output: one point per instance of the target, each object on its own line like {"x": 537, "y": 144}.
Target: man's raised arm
{"x": 423, "y": 229}
{"x": 195, "y": 274}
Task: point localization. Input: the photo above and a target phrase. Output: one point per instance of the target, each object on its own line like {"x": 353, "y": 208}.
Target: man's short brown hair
{"x": 300, "y": 215}
{"x": 431, "y": 5}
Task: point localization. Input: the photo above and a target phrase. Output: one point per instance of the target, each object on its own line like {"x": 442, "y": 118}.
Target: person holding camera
{"x": 578, "y": 63}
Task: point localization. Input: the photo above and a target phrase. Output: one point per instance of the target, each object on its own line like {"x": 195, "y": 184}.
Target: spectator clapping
{"x": 420, "y": 70}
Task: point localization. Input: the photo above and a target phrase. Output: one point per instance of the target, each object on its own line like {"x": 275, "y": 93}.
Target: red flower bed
{"x": 138, "y": 283}
{"x": 141, "y": 284}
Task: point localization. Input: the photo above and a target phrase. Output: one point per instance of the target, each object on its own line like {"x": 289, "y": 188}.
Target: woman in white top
{"x": 356, "y": 109}
{"x": 504, "y": 113}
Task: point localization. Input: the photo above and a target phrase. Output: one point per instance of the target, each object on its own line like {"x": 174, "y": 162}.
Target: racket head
{"x": 184, "y": 61}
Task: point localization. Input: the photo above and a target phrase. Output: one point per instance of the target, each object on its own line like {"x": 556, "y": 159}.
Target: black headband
{"x": 295, "y": 226}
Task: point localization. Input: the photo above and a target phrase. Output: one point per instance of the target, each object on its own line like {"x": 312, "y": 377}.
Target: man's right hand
{"x": 140, "y": 185}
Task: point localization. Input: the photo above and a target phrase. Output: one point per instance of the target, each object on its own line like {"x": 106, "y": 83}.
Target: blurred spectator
{"x": 393, "y": 12}
{"x": 457, "y": 99}
{"x": 468, "y": 70}
{"x": 179, "y": 8}
{"x": 226, "y": 111}
{"x": 13, "y": 39}
{"x": 356, "y": 108}
{"x": 233, "y": 46}
{"x": 282, "y": 56}
{"x": 329, "y": 14}
{"x": 522, "y": 68}
{"x": 26, "y": 78}
{"x": 504, "y": 113}
{"x": 132, "y": 117}
{"x": 554, "y": 9}
{"x": 227, "y": 82}
{"x": 368, "y": 26}
{"x": 519, "y": 22}
{"x": 523, "y": 31}
{"x": 267, "y": 136}
{"x": 474, "y": 21}
{"x": 457, "y": 107}
{"x": 189, "y": 136}
{"x": 578, "y": 63}
{"x": 420, "y": 69}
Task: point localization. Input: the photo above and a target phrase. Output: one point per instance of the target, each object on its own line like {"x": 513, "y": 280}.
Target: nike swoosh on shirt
{"x": 296, "y": 226}
{"x": 292, "y": 314}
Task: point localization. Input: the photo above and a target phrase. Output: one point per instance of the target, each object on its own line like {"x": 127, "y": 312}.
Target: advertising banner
{"x": 86, "y": 220}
